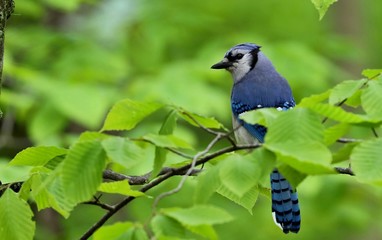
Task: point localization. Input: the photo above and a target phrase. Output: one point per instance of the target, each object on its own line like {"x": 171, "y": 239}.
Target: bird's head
{"x": 239, "y": 60}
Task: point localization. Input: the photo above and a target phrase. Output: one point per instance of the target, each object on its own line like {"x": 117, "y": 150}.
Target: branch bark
{"x": 6, "y": 9}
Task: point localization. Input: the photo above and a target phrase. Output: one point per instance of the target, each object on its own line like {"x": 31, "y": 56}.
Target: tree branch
{"x": 347, "y": 171}
{"x": 166, "y": 174}
{"x": 348, "y": 140}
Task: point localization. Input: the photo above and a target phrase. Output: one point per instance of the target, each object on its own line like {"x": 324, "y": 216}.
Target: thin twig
{"x": 160, "y": 179}
{"x": 347, "y": 171}
{"x": 189, "y": 171}
{"x": 100, "y": 204}
{"x": 343, "y": 101}
{"x": 348, "y": 140}
{"x": 374, "y": 132}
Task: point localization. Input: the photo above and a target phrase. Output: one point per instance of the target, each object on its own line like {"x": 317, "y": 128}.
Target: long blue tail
{"x": 285, "y": 208}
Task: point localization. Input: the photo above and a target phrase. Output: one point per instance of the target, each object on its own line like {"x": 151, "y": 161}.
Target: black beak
{"x": 222, "y": 65}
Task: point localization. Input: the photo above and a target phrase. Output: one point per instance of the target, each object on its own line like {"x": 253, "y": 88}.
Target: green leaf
{"x": 126, "y": 114}
{"x": 343, "y": 154}
{"x": 82, "y": 170}
{"x": 120, "y": 187}
{"x": 298, "y": 124}
{"x": 121, "y": 231}
{"x": 37, "y": 156}
{"x": 308, "y": 157}
{"x": 114, "y": 231}
{"x": 168, "y": 127}
{"x": 206, "y": 231}
{"x": 263, "y": 116}
{"x": 166, "y": 141}
{"x": 294, "y": 177}
{"x": 338, "y": 114}
{"x": 123, "y": 151}
{"x": 372, "y": 98}
{"x": 345, "y": 90}
{"x": 247, "y": 200}
{"x": 239, "y": 174}
{"x": 296, "y": 137}
{"x": 92, "y": 136}
{"x": 15, "y": 217}
{"x": 208, "y": 182}
{"x": 366, "y": 160}
{"x": 354, "y": 100}
{"x": 333, "y": 133}
{"x": 322, "y": 6}
{"x": 195, "y": 119}
{"x": 371, "y": 73}
{"x": 313, "y": 99}
{"x": 198, "y": 215}
{"x": 166, "y": 226}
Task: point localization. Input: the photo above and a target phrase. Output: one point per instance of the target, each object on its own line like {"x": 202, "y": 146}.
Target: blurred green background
{"x": 67, "y": 62}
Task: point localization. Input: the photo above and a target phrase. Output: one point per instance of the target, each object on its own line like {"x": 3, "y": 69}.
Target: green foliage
{"x": 89, "y": 55}
{"x": 121, "y": 230}
{"x": 120, "y": 187}
{"x": 322, "y": 6}
{"x": 15, "y": 214}
{"x": 366, "y": 161}
{"x": 126, "y": 114}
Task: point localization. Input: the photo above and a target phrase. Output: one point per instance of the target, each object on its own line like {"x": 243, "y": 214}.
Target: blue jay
{"x": 257, "y": 84}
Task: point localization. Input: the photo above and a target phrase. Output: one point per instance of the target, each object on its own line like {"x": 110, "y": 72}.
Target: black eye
{"x": 239, "y": 56}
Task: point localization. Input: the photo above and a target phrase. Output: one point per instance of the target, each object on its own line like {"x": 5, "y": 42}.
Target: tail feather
{"x": 285, "y": 207}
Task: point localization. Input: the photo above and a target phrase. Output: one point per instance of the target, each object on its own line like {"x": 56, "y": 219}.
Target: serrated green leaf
{"x": 307, "y": 157}
{"x": 198, "y": 215}
{"x": 48, "y": 191}
{"x": 92, "y": 136}
{"x": 15, "y": 217}
{"x": 37, "y": 156}
{"x": 345, "y": 90}
{"x": 338, "y": 114}
{"x": 296, "y": 136}
{"x": 333, "y": 133}
{"x": 206, "y": 122}
{"x": 343, "y": 154}
{"x": 263, "y": 116}
{"x": 239, "y": 174}
{"x": 82, "y": 168}
{"x": 366, "y": 161}
{"x": 123, "y": 151}
{"x": 166, "y": 226}
{"x": 208, "y": 182}
{"x": 167, "y": 141}
{"x": 322, "y": 6}
{"x": 371, "y": 73}
{"x": 167, "y": 128}
{"x": 120, "y": 187}
{"x": 114, "y": 231}
{"x": 298, "y": 124}
{"x": 372, "y": 98}
{"x": 247, "y": 200}
{"x": 126, "y": 114}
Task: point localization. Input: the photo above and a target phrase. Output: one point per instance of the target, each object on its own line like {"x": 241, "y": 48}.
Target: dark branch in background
{"x": 6, "y": 10}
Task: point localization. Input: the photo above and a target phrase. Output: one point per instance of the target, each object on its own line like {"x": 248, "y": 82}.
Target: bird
{"x": 256, "y": 85}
